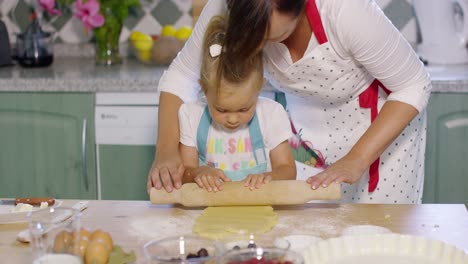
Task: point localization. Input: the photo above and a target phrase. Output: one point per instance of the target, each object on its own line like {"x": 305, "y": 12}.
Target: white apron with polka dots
{"x": 322, "y": 93}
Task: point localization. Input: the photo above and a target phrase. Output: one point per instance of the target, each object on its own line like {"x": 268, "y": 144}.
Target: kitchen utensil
{"x": 55, "y": 240}
{"x": 34, "y": 47}
{"x": 285, "y": 192}
{"x": 444, "y": 30}
{"x": 5, "y": 49}
{"x": 34, "y": 201}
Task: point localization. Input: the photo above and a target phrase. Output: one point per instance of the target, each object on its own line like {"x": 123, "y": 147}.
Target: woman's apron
{"x": 332, "y": 102}
{"x": 258, "y": 147}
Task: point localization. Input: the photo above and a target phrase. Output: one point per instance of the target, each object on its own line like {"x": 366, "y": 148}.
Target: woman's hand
{"x": 347, "y": 169}
{"x": 255, "y": 181}
{"x": 210, "y": 179}
{"x": 166, "y": 171}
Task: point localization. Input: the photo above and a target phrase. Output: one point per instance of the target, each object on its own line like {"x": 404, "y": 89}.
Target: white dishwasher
{"x": 126, "y": 131}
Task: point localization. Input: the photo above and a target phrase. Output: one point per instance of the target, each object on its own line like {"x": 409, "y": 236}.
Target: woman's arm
{"x": 392, "y": 119}
{"x": 167, "y": 168}
{"x": 364, "y": 34}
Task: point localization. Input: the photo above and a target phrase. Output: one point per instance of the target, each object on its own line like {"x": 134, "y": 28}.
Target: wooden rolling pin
{"x": 287, "y": 192}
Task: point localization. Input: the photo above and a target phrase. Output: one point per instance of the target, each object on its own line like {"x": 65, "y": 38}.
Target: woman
{"x": 354, "y": 87}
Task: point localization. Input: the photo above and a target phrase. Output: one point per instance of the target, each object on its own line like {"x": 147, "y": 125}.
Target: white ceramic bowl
{"x": 364, "y": 230}
{"x": 301, "y": 242}
{"x": 384, "y": 249}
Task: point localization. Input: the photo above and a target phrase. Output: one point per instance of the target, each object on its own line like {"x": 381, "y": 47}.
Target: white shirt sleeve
{"x": 274, "y": 123}
{"x": 189, "y": 117}
{"x": 359, "y": 30}
{"x": 181, "y": 78}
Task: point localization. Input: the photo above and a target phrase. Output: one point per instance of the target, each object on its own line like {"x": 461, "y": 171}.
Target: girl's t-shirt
{"x": 232, "y": 150}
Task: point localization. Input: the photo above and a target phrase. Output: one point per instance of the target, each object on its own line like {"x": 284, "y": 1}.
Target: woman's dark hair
{"x": 248, "y": 23}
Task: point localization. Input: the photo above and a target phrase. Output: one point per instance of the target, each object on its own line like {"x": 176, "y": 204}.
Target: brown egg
{"x": 104, "y": 237}
{"x": 62, "y": 241}
{"x": 96, "y": 253}
{"x": 82, "y": 245}
{"x": 85, "y": 234}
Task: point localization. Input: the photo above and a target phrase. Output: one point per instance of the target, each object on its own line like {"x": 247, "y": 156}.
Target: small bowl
{"x": 269, "y": 255}
{"x": 244, "y": 241}
{"x": 181, "y": 249}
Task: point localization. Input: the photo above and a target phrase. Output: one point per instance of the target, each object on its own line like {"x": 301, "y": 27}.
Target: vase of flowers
{"x": 104, "y": 18}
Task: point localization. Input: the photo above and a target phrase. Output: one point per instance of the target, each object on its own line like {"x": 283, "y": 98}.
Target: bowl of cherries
{"x": 261, "y": 255}
{"x": 181, "y": 249}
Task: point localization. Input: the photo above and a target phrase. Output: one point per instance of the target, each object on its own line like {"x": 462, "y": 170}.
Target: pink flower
{"x": 49, "y": 6}
{"x": 295, "y": 141}
{"x": 88, "y": 13}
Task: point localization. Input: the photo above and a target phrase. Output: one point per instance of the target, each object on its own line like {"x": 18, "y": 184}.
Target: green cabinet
{"x": 47, "y": 145}
{"x": 446, "y": 174}
{"x": 124, "y": 171}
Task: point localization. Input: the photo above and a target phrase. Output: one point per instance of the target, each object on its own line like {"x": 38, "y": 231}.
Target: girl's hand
{"x": 255, "y": 181}
{"x": 210, "y": 179}
{"x": 347, "y": 170}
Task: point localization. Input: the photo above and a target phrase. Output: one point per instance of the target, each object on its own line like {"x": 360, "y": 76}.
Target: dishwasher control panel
{"x": 126, "y": 125}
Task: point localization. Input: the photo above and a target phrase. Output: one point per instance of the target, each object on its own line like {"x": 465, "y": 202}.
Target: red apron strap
{"x": 369, "y": 99}
{"x": 315, "y": 21}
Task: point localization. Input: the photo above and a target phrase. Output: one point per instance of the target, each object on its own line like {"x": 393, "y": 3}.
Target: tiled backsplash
{"x": 152, "y": 15}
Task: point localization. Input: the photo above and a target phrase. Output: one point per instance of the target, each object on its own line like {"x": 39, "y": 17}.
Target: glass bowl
{"x": 181, "y": 249}
{"x": 243, "y": 241}
{"x": 270, "y": 255}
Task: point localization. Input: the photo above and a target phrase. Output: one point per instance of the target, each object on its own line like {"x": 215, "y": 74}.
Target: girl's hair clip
{"x": 215, "y": 50}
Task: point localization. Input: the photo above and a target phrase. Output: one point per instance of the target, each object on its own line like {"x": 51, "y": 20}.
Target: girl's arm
{"x": 283, "y": 166}
{"x": 189, "y": 157}
{"x": 276, "y": 132}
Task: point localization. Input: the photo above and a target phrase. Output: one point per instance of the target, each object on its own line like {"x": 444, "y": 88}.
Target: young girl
{"x": 234, "y": 135}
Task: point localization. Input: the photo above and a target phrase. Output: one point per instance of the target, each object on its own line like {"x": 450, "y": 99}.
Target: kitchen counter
{"x": 82, "y": 75}
{"x": 133, "y": 223}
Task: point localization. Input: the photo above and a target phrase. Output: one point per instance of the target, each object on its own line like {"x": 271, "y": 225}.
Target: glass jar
{"x": 107, "y": 39}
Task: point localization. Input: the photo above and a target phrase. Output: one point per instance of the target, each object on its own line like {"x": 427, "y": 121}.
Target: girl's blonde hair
{"x": 216, "y": 68}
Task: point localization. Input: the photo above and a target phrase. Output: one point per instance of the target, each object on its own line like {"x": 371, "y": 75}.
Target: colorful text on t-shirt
{"x": 230, "y": 153}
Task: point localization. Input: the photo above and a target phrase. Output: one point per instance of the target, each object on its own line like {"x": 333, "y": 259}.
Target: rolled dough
{"x": 220, "y": 222}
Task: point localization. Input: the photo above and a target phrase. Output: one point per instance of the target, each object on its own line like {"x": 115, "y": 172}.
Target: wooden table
{"x": 133, "y": 223}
